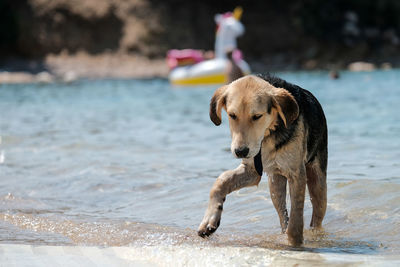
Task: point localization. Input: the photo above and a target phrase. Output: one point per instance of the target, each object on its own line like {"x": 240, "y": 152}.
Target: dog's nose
{"x": 242, "y": 152}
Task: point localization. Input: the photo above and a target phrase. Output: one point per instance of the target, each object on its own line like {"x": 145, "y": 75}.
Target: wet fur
{"x": 293, "y": 151}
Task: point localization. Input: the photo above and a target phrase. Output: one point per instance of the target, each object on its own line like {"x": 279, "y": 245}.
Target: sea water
{"x": 131, "y": 163}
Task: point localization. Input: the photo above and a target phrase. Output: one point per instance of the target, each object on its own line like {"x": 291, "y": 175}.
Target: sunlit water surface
{"x": 131, "y": 162}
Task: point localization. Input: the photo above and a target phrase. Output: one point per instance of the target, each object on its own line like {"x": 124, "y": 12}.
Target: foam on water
{"x": 131, "y": 163}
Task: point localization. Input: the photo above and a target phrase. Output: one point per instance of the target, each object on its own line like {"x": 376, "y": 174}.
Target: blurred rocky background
{"x": 129, "y": 38}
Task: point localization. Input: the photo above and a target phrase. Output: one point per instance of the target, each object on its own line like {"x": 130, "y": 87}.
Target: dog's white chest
{"x": 285, "y": 161}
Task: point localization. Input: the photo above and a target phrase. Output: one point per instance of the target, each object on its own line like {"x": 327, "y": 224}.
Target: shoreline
{"x": 69, "y": 68}
{"x": 161, "y": 255}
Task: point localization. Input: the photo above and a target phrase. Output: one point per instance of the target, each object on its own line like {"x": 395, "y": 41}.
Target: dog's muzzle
{"x": 242, "y": 152}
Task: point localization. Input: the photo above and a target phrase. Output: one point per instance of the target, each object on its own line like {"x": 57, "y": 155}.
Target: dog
{"x": 279, "y": 128}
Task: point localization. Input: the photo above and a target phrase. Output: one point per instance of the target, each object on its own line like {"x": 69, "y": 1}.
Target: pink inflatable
{"x": 183, "y": 57}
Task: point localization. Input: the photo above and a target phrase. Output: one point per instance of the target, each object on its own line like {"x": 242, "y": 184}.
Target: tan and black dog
{"x": 280, "y": 128}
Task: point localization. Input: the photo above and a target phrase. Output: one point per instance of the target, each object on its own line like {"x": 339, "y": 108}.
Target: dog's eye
{"x": 233, "y": 116}
{"x": 256, "y": 117}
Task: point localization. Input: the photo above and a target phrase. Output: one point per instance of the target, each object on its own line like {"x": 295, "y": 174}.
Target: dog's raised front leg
{"x": 229, "y": 181}
{"x": 297, "y": 188}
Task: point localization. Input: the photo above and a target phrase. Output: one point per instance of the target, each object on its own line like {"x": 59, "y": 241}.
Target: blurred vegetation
{"x": 298, "y": 31}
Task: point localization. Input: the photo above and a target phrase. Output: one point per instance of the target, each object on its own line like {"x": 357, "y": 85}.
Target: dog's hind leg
{"x": 277, "y": 188}
{"x": 229, "y": 181}
{"x": 317, "y": 188}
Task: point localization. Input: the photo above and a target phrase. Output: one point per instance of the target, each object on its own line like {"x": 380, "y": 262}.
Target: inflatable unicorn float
{"x": 189, "y": 66}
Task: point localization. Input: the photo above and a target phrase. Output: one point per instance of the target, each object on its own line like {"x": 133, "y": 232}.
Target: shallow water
{"x": 131, "y": 162}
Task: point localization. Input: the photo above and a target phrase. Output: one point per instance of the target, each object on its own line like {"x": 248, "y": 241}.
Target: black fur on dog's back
{"x": 314, "y": 120}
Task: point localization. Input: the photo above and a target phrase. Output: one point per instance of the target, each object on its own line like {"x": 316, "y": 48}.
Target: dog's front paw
{"x": 211, "y": 221}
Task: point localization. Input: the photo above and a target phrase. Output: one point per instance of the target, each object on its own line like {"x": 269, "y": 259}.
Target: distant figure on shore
{"x": 334, "y": 74}
{"x": 233, "y": 70}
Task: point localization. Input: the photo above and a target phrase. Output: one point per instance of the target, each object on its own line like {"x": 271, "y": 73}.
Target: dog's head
{"x": 253, "y": 106}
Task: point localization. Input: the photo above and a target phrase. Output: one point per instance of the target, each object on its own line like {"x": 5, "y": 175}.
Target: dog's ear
{"x": 218, "y": 101}
{"x": 286, "y": 105}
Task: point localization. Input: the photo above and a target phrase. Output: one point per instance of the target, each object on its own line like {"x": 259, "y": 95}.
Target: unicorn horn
{"x": 237, "y": 13}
